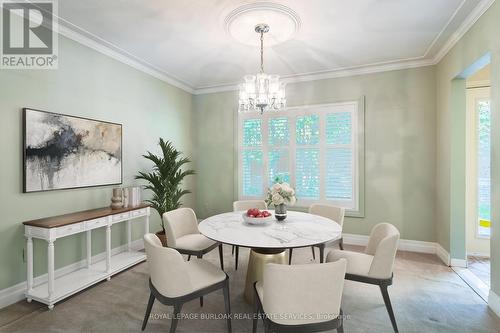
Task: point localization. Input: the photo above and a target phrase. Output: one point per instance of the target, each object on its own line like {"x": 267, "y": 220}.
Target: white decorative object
{"x": 134, "y": 196}
{"x": 56, "y": 289}
{"x": 302, "y": 229}
{"x": 126, "y": 195}
{"x": 257, "y": 220}
{"x": 262, "y": 92}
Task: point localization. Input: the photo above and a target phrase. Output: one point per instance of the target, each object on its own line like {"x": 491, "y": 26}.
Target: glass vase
{"x": 280, "y": 212}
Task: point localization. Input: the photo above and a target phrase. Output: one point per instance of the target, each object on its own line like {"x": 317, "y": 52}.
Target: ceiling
{"x": 188, "y": 41}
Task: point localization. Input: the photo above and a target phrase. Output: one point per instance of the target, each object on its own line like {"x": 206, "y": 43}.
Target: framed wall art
{"x": 62, "y": 152}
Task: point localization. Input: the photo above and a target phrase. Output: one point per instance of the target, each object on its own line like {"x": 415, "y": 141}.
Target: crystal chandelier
{"x": 261, "y": 92}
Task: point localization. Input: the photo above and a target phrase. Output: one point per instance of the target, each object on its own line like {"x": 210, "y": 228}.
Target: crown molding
{"x": 422, "y": 61}
{"x": 332, "y": 74}
{"x": 469, "y": 21}
{"x": 98, "y": 44}
{"x": 92, "y": 41}
{"x": 446, "y": 26}
{"x": 84, "y": 37}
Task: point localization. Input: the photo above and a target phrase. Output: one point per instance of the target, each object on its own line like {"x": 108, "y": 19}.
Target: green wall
{"x": 399, "y": 147}
{"x": 92, "y": 85}
{"x": 450, "y": 159}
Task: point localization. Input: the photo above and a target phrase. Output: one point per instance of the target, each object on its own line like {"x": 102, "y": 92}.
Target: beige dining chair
{"x": 330, "y": 212}
{"x": 174, "y": 281}
{"x": 375, "y": 265}
{"x": 312, "y": 307}
{"x": 181, "y": 227}
{"x": 243, "y": 205}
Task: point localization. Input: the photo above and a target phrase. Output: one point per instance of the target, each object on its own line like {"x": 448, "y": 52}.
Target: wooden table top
{"x": 62, "y": 220}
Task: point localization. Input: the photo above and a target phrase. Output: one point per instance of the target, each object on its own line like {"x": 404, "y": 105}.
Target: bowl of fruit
{"x": 256, "y": 216}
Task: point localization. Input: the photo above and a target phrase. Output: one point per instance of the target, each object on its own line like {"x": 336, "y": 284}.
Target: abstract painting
{"x": 62, "y": 152}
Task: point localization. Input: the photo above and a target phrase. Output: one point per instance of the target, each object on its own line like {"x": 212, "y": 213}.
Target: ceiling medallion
{"x": 240, "y": 22}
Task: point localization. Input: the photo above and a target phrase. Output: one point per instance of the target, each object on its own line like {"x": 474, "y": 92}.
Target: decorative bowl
{"x": 257, "y": 220}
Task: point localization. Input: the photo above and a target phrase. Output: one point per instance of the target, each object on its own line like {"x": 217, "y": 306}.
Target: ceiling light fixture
{"x": 261, "y": 92}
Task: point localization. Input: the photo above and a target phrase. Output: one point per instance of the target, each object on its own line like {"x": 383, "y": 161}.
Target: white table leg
{"x": 108, "y": 250}
{"x": 50, "y": 268}
{"x": 29, "y": 262}
{"x": 129, "y": 235}
{"x": 146, "y": 225}
{"x": 89, "y": 247}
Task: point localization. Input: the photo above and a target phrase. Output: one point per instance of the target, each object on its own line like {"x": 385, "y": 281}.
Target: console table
{"x": 52, "y": 228}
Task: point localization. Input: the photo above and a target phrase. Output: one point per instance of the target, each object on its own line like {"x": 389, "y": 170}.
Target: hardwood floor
{"x": 480, "y": 266}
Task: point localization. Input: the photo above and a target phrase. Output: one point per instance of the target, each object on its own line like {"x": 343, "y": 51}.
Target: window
{"x": 315, "y": 149}
{"x": 483, "y": 167}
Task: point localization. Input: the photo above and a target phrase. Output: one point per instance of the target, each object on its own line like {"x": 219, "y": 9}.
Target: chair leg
{"x": 314, "y": 253}
{"x": 221, "y": 257}
{"x": 290, "y": 256}
{"x": 237, "y": 254}
{"x": 267, "y": 327}
{"x": 340, "y": 329}
{"x": 175, "y": 318}
{"x": 232, "y": 250}
{"x": 189, "y": 257}
{"x": 256, "y": 313}
{"x": 227, "y": 305}
{"x": 341, "y": 244}
{"x": 387, "y": 301}
{"x": 322, "y": 253}
{"x": 148, "y": 310}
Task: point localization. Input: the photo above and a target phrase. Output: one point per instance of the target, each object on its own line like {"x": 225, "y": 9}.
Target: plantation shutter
{"x": 279, "y": 152}
{"x": 251, "y": 158}
{"x": 339, "y": 157}
{"x": 313, "y": 148}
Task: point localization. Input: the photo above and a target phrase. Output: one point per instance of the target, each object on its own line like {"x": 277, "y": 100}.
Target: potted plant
{"x": 165, "y": 181}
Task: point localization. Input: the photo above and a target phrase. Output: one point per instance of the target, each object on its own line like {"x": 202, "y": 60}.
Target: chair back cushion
{"x": 179, "y": 222}
{"x": 166, "y": 268}
{"x": 247, "y": 204}
{"x": 302, "y": 294}
{"x": 382, "y": 245}
{"x": 328, "y": 211}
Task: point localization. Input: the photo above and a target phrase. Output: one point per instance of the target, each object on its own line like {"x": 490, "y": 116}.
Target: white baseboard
{"x": 15, "y": 293}
{"x": 443, "y": 254}
{"x": 404, "y": 244}
{"x": 458, "y": 263}
{"x": 353, "y": 239}
{"x": 412, "y": 246}
{"x": 494, "y": 302}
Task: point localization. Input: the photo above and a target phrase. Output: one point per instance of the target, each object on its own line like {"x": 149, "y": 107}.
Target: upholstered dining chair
{"x": 181, "y": 227}
{"x": 333, "y": 213}
{"x": 245, "y": 205}
{"x": 174, "y": 281}
{"x": 375, "y": 265}
{"x": 312, "y": 307}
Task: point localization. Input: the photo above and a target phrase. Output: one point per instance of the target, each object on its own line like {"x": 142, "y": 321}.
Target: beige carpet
{"x": 427, "y": 297}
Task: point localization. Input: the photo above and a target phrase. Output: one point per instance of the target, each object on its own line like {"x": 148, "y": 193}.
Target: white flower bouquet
{"x": 281, "y": 193}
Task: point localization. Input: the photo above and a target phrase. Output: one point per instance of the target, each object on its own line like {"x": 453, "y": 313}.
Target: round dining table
{"x": 269, "y": 241}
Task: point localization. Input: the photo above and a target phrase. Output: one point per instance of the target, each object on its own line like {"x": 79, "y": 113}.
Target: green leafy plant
{"x": 166, "y": 178}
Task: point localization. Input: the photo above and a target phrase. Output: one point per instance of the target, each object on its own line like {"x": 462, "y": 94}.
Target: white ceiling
{"x": 187, "y": 41}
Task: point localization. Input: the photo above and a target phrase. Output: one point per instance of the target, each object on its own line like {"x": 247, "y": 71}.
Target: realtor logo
{"x": 29, "y": 36}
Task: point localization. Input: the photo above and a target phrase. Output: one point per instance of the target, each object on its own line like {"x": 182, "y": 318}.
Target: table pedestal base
{"x": 255, "y": 271}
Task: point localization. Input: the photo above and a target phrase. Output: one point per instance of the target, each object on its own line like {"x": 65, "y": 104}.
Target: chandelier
{"x": 261, "y": 92}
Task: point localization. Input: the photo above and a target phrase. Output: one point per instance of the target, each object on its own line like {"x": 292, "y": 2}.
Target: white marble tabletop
{"x": 298, "y": 230}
